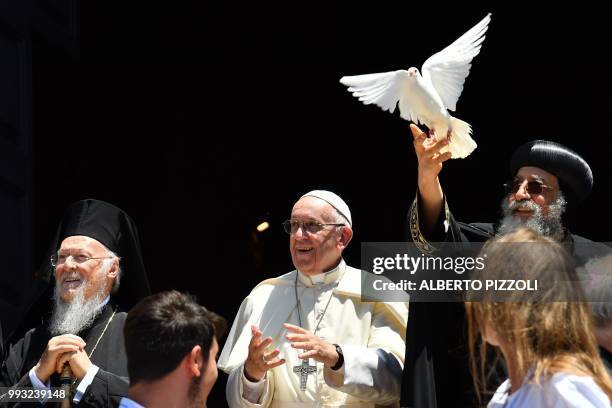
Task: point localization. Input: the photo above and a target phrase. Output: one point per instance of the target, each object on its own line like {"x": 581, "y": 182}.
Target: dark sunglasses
{"x": 312, "y": 227}
{"x": 533, "y": 187}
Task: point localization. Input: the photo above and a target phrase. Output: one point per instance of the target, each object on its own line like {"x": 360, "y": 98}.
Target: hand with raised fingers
{"x": 314, "y": 347}
{"x": 428, "y": 153}
{"x": 260, "y": 359}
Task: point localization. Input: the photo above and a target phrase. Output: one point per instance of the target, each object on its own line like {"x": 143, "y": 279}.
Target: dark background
{"x": 203, "y": 120}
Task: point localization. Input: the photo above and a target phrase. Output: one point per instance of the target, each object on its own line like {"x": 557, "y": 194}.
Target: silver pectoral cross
{"x": 304, "y": 370}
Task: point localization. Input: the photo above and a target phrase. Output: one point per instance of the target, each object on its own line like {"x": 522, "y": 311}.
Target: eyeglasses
{"x": 533, "y": 187}
{"x": 312, "y": 227}
{"x": 59, "y": 259}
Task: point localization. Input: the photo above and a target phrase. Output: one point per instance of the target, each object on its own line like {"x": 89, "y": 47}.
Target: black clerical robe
{"x": 436, "y": 369}
{"x": 111, "y": 381}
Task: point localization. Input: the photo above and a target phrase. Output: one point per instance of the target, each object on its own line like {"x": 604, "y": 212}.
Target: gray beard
{"x": 550, "y": 226}
{"x": 73, "y": 317}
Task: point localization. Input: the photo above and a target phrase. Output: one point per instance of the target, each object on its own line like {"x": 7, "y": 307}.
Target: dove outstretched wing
{"x": 383, "y": 89}
{"x": 448, "y": 68}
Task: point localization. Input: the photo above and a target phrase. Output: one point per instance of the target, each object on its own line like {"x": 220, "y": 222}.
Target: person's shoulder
{"x": 120, "y": 316}
{"x": 585, "y": 249}
{"x": 579, "y": 238}
{"x": 17, "y": 348}
{"x": 114, "y": 311}
{"x": 286, "y": 279}
{"x": 589, "y": 243}
{"x": 350, "y": 284}
{"x": 27, "y": 337}
{"x": 352, "y": 271}
{"x": 576, "y": 390}
{"x": 559, "y": 390}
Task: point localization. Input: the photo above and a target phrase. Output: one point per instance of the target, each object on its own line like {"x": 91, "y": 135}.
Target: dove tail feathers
{"x": 461, "y": 144}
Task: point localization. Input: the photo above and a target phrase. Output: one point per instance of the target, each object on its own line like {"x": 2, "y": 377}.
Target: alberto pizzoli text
{"x": 457, "y": 284}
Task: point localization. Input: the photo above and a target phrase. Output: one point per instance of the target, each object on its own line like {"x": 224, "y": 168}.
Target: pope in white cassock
{"x": 305, "y": 338}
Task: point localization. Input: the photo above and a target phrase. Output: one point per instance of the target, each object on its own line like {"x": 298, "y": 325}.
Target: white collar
{"x": 325, "y": 278}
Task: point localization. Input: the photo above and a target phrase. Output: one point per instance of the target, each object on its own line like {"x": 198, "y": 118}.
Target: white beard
{"x": 75, "y": 316}
{"x": 548, "y": 226}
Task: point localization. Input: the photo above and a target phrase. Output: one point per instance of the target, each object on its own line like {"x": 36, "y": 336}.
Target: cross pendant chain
{"x": 304, "y": 370}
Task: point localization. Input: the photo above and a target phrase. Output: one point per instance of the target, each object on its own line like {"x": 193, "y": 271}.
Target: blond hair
{"x": 546, "y": 335}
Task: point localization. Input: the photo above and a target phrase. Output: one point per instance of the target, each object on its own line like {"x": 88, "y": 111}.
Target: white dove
{"x": 425, "y": 99}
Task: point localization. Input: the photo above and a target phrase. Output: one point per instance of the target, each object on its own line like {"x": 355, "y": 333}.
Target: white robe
{"x": 371, "y": 335}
